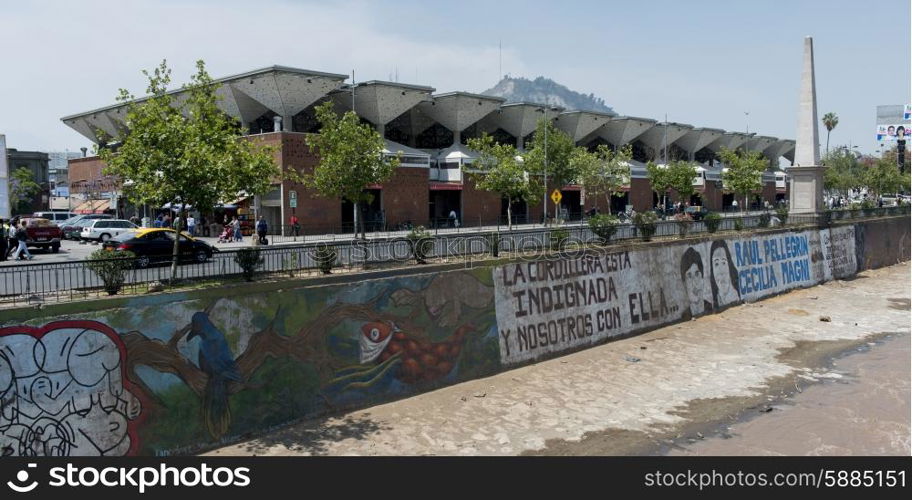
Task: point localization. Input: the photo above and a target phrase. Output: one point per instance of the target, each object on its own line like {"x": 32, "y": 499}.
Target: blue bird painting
{"x": 217, "y": 361}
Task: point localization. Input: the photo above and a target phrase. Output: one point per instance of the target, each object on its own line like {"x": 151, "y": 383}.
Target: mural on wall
{"x": 210, "y": 369}
{"x": 63, "y": 392}
{"x": 172, "y": 373}
{"x": 550, "y": 306}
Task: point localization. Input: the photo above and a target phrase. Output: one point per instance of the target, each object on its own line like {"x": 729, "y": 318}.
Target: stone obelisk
{"x": 806, "y": 175}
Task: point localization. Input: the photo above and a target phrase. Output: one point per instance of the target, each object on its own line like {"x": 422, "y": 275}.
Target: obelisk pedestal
{"x": 806, "y": 176}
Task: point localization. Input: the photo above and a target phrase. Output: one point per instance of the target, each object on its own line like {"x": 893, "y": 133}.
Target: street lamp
{"x": 747, "y": 122}
{"x": 545, "y": 193}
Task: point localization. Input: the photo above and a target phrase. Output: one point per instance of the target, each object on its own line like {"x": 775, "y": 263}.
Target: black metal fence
{"x": 31, "y": 283}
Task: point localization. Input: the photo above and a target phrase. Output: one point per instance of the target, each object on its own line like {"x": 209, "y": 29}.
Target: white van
{"x": 57, "y": 217}
{"x": 104, "y": 229}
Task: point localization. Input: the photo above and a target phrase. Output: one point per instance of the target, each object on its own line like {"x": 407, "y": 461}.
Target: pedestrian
{"x": 13, "y": 241}
{"x": 21, "y": 248}
{"x": 191, "y": 225}
{"x": 204, "y": 231}
{"x": 236, "y": 226}
{"x": 261, "y": 228}
{"x": 295, "y": 226}
{"x": 734, "y": 205}
{"x": 4, "y": 233}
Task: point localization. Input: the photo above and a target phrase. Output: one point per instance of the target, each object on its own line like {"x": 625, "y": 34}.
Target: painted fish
{"x": 421, "y": 360}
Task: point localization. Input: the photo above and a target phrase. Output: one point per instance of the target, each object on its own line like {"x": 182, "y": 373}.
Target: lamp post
{"x": 545, "y": 193}
{"x": 747, "y": 122}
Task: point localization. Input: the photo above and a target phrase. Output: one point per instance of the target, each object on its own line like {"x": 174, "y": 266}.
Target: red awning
{"x": 571, "y": 188}
{"x": 374, "y": 186}
{"x": 446, "y": 186}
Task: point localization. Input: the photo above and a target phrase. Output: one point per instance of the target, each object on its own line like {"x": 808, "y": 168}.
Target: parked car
{"x": 105, "y": 229}
{"x": 42, "y": 233}
{"x": 696, "y": 212}
{"x": 71, "y": 230}
{"x": 57, "y": 217}
{"x": 157, "y": 244}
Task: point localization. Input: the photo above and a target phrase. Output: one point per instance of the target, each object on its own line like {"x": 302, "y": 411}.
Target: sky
{"x": 704, "y": 62}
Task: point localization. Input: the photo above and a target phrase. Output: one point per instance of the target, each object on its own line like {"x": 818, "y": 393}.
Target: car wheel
{"x": 201, "y": 256}
{"x": 142, "y": 261}
{"x": 104, "y": 237}
{"x": 55, "y": 248}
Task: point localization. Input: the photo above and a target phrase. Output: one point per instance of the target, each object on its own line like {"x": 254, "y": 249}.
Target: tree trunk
{"x": 509, "y": 214}
{"x": 608, "y": 199}
{"x": 828, "y": 142}
{"x": 357, "y": 220}
{"x": 175, "y": 253}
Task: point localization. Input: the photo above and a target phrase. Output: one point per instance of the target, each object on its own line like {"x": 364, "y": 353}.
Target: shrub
{"x": 558, "y": 238}
{"x": 764, "y": 220}
{"x": 603, "y": 226}
{"x": 645, "y": 223}
{"x": 325, "y": 256}
{"x": 739, "y": 224}
{"x": 782, "y": 212}
{"x": 868, "y": 206}
{"x": 684, "y": 221}
{"x": 712, "y": 221}
{"x": 493, "y": 241}
{"x": 421, "y": 243}
{"x": 111, "y": 268}
{"x": 249, "y": 259}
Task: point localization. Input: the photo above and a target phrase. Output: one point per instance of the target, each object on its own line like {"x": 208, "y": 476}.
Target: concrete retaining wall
{"x": 178, "y": 372}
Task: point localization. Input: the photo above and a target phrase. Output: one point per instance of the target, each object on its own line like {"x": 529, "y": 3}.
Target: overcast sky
{"x": 705, "y": 63}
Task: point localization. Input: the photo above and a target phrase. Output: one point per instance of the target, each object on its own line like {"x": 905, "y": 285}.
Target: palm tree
{"x": 830, "y": 120}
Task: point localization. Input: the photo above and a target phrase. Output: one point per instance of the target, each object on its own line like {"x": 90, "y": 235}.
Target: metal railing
{"x": 64, "y": 281}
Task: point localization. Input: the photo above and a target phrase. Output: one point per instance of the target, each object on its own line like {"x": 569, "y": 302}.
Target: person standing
{"x": 12, "y": 238}
{"x": 236, "y": 226}
{"x": 191, "y": 225}
{"x": 295, "y": 226}
{"x": 261, "y": 229}
{"x": 4, "y": 232}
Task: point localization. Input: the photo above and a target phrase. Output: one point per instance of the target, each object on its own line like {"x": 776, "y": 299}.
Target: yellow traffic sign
{"x": 556, "y": 196}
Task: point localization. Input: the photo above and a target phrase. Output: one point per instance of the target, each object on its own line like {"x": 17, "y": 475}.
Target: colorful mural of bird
{"x": 421, "y": 360}
{"x": 217, "y": 361}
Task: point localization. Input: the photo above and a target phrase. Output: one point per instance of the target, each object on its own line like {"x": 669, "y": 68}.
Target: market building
{"x": 429, "y": 131}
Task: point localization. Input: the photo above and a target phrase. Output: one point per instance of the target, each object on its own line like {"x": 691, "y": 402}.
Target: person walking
{"x": 4, "y": 233}
{"x": 21, "y": 248}
{"x": 261, "y": 228}
{"x": 295, "y": 226}
{"x": 12, "y": 237}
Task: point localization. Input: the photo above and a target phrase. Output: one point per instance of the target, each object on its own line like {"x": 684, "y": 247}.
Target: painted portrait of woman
{"x": 724, "y": 275}
{"x": 694, "y": 284}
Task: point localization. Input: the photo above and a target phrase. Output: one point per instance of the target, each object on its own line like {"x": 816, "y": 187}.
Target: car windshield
{"x": 39, "y": 223}
{"x": 72, "y": 220}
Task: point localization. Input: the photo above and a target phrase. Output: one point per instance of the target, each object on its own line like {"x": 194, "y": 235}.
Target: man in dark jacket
{"x": 4, "y": 232}
{"x": 261, "y": 229}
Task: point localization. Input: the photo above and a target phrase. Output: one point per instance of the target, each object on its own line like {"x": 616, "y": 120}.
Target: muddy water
{"x": 862, "y": 407}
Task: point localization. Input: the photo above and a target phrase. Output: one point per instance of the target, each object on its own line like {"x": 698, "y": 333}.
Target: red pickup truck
{"x": 42, "y": 233}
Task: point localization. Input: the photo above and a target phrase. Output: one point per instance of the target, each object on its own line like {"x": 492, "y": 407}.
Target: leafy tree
{"x": 22, "y": 189}
{"x": 549, "y": 142}
{"x": 659, "y": 179}
{"x": 187, "y": 151}
{"x": 830, "y": 120}
{"x": 498, "y": 170}
{"x": 680, "y": 178}
{"x": 844, "y": 171}
{"x": 604, "y": 172}
{"x": 351, "y": 158}
{"x": 745, "y": 171}
{"x": 884, "y": 177}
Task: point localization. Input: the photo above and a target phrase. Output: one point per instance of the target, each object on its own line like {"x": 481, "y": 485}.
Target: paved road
{"x": 694, "y": 380}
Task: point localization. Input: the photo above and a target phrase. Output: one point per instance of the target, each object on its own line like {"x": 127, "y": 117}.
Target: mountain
{"x": 546, "y": 91}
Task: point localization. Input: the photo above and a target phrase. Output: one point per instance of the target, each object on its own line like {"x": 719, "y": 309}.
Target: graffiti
{"x": 694, "y": 279}
{"x": 724, "y": 276}
{"x": 63, "y": 393}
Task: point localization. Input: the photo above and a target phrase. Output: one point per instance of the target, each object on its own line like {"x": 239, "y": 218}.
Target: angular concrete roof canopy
{"x": 623, "y": 130}
{"x": 696, "y": 139}
{"x": 664, "y": 134}
{"x": 519, "y": 119}
{"x": 729, "y": 140}
{"x": 246, "y": 96}
{"x": 760, "y": 143}
{"x": 381, "y": 102}
{"x": 579, "y": 124}
{"x": 458, "y": 110}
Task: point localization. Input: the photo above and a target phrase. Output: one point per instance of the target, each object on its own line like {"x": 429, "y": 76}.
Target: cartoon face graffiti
{"x": 724, "y": 275}
{"x": 62, "y": 392}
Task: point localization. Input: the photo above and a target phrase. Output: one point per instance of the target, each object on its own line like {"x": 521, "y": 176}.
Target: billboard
{"x": 4, "y": 181}
{"x": 893, "y": 122}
